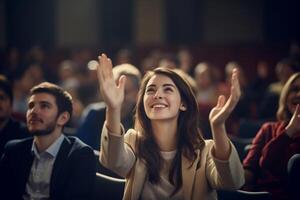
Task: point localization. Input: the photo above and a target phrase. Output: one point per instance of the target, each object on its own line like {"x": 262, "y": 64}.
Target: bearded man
{"x": 49, "y": 165}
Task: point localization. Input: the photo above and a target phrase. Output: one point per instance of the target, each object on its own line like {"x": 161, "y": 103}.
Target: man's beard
{"x": 47, "y": 131}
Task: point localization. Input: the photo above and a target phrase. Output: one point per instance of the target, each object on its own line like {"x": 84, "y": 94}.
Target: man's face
{"x": 5, "y": 106}
{"x": 42, "y": 114}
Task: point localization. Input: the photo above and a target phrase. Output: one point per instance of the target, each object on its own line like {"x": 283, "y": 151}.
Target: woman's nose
{"x": 157, "y": 95}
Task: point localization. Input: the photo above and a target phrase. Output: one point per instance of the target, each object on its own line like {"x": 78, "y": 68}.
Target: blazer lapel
{"x": 138, "y": 181}
{"x": 59, "y": 164}
{"x": 25, "y": 166}
{"x": 188, "y": 175}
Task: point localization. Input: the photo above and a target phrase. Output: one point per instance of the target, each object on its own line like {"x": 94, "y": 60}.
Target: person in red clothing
{"x": 275, "y": 143}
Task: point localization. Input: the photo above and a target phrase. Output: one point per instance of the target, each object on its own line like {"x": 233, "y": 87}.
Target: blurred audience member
{"x": 262, "y": 80}
{"x": 257, "y": 89}
{"x": 29, "y": 76}
{"x": 36, "y": 73}
{"x": 168, "y": 60}
{"x": 94, "y": 115}
{"x": 269, "y": 105}
{"x": 185, "y": 59}
{"x": 207, "y": 88}
{"x": 207, "y": 94}
{"x": 151, "y": 60}
{"x": 275, "y": 143}
{"x": 37, "y": 56}
{"x": 11, "y": 64}
{"x": 67, "y": 74}
{"x": 9, "y": 128}
{"x": 78, "y": 107}
{"x": 85, "y": 83}
{"x": 124, "y": 56}
{"x": 147, "y": 64}
{"x": 69, "y": 81}
{"x": 189, "y": 79}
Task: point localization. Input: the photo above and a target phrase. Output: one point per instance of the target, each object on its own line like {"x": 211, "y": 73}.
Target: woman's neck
{"x": 165, "y": 134}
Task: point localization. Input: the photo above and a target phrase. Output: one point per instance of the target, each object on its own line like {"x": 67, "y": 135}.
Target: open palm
{"x": 112, "y": 93}
{"x": 223, "y": 109}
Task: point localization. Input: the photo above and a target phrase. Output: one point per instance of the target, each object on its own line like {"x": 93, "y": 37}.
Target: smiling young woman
{"x": 165, "y": 155}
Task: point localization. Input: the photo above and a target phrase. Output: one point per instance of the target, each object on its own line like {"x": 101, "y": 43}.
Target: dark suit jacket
{"x": 92, "y": 122}
{"x": 11, "y": 131}
{"x": 73, "y": 174}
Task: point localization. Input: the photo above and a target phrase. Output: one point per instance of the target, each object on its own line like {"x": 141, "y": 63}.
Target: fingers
{"x": 105, "y": 67}
{"x": 221, "y": 101}
{"x": 235, "y": 90}
{"x": 224, "y": 107}
{"x": 235, "y": 84}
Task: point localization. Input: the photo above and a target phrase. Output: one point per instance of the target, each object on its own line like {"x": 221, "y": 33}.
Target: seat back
{"x": 242, "y": 195}
{"x": 294, "y": 176}
{"x": 107, "y": 187}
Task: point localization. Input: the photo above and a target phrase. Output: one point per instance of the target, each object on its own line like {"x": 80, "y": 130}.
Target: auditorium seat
{"x": 107, "y": 187}
{"x": 242, "y": 195}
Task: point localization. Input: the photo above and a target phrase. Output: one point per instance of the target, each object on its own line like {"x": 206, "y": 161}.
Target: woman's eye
{"x": 168, "y": 89}
{"x": 149, "y": 90}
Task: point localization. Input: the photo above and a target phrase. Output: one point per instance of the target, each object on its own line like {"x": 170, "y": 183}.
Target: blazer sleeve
{"x": 117, "y": 152}
{"x": 82, "y": 180}
{"x": 224, "y": 174}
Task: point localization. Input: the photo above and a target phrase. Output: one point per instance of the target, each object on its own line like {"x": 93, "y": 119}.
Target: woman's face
{"x": 293, "y": 97}
{"x": 162, "y": 99}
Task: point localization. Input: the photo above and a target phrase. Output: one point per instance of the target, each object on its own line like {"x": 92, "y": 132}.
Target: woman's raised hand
{"x": 293, "y": 128}
{"x": 223, "y": 109}
{"x": 112, "y": 92}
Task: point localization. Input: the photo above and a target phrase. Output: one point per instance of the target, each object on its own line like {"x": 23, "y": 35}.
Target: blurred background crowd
{"x": 58, "y": 41}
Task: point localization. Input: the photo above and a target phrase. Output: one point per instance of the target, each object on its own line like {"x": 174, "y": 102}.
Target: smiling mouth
{"x": 159, "y": 106}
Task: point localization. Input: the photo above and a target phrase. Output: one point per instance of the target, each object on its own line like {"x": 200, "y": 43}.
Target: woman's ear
{"x": 182, "y": 107}
{"x": 63, "y": 118}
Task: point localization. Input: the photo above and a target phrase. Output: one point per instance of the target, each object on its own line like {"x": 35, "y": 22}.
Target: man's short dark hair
{"x": 63, "y": 98}
{"x": 6, "y": 87}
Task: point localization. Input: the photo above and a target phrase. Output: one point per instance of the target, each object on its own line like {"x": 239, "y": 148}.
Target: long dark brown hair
{"x": 189, "y": 137}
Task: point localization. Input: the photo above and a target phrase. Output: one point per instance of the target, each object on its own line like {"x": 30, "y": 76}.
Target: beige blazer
{"x": 200, "y": 178}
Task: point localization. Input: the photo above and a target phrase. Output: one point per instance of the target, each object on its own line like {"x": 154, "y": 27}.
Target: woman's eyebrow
{"x": 164, "y": 85}
{"x": 151, "y": 85}
{"x": 168, "y": 84}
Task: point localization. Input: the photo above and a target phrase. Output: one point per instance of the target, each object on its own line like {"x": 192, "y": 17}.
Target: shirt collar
{"x": 52, "y": 149}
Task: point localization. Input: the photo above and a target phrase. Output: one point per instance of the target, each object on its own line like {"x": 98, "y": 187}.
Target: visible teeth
{"x": 159, "y": 106}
